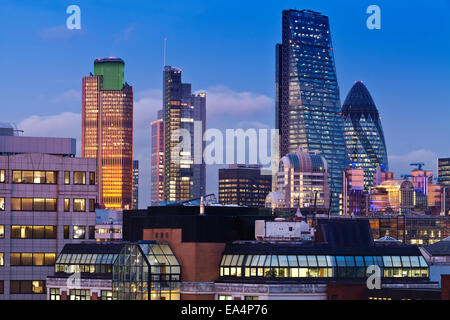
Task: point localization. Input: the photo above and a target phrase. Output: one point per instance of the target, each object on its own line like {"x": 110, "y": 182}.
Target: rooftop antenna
{"x": 165, "y": 51}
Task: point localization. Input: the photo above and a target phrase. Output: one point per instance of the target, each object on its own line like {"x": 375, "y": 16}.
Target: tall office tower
{"x": 135, "y": 184}
{"x": 243, "y": 185}
{"x": 307, "y": 94}
{"x": 364, "y": 136}
{"x": 157, "y": 161}
{"x": 107, "y": 131}
{"x": 47, "y": 200}
{"x": 184, "y": 170}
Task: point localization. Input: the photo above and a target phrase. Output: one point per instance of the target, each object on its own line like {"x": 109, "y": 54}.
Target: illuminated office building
{"x": 135, "y": 184}
{"x": 243, "y": 185}
{"x": 364, "y": 136}
{"x": 392, "y": 196}
{"x": 444, "y": 181}
{"x": 157, "y": 161}
{"x": 301, "y": 183}
{"x": 47, "y": 200}
{"x": 107, "y": 131}
{"x": 184, "y": 170}
{"x": 308, "y": 112}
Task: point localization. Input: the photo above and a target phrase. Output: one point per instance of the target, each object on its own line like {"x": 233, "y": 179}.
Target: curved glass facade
{"x": 364, "y": 136}
{"x": 320, "y": 266}
{"x": 307, "y": 94}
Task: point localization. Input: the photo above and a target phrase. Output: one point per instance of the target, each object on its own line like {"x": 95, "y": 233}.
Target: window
{"x": 79, "y": 294}
{"x": 39, "y": 177}
{"x": 79, "y": 177}
{"x": 2, "y": 287}
{"x": 79, "y": 232}
{"x": 54, "y": 294}
{"x": 2, "y": 204}
{"x": 66, "y": 205}
{"x": 106, "y": 295}
{"x": 251, "y": 298}
{"x": 32, "y": 259}
{"x": 92, "y": 178}
{"x": 66, "y": 177}
{"x": 66, "y": 232}
{"x": 26, "y": 286}
{"x": 79, "y": 205}
{"x": 27, "y": 177}
{"x": 17, "y": 176}
{"x": 51, "y": 177}
{"x": 91, "y": 205}
{"x": 2, "y": 231}
{"x": 2, "y": 259}
{"x": 2, "y": 176}
{"x": 91, "y": 232}
{"x": 222, "y": 297}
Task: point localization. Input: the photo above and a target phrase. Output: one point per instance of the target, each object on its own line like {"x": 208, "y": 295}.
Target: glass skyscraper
{"x": 307, "y": 94}
{"x": 364, "y": 136}
{"x": 184, "y": 179}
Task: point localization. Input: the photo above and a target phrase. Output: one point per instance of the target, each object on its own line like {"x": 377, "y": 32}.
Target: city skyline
{"x": 400, "y": 101}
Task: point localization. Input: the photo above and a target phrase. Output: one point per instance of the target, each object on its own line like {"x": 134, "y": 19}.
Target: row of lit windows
{"x": 46, "y": 232}
{"x": 32, "y": 259}
{"x": 41, "y": 204}
{"x": 46, "y": 177}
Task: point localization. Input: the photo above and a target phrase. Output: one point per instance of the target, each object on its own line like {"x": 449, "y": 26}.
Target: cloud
{"x": 400, "y": 164}
{"x": 146, "y": 107}
{"x": 126, "y": 34}
{"x": 221, "y": 100}
{"x": 58, "y": 33}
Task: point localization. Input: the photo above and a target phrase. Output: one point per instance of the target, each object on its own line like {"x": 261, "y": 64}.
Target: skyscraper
{"x": 307, "y": 94}
{"x": 157, "y": 161}
{"x": 363, "y": 133}
{"x": 184, "y": 178}
{"x": 107, "y": 130}
{"x": 135, "y": 184}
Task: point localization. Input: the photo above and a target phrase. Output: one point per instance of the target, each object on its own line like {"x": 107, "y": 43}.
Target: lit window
{"x": 79, "y": 205}
{"x": 79, "y": 232}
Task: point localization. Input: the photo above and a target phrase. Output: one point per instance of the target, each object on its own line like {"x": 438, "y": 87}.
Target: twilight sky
{"x": 226, "y": 48}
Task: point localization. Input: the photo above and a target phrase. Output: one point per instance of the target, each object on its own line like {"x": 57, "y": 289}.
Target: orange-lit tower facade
{"x": 107, "y": 131}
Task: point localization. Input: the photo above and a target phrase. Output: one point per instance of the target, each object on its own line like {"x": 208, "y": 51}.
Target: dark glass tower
{"x": 185, "y": 179}
{"x": 363, "y": 132}
{"x": 307, "y": 94}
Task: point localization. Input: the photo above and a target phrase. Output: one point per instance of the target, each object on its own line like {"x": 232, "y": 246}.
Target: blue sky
{"x": 228, "y": 49}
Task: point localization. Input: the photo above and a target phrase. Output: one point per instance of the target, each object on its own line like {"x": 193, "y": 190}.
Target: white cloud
{"x": 221, "y": 100}
{"x": 58, "y": 33}
{"x": 400, "y": 164}
{"x": 126, "y": 34}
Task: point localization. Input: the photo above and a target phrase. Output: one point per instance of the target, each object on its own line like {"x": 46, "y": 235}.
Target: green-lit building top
{"x": 112, "y": 70}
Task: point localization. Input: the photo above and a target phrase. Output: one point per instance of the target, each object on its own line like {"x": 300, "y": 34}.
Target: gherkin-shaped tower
{"x": 364, "y": 137}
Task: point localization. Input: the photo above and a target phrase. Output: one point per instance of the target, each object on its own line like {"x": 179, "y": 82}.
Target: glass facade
{"x": 149, "y": 271}
{"x": 364, "y": 137}
{"x": 320, "y": 266}
{"x": 135, "y": 184}
{"x": 144, "y": 271}
{"x": 308, "y": 111}
{"x": 183, "y": 179}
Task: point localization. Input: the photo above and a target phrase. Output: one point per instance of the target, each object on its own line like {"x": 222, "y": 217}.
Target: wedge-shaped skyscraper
{"x": 364, "y": 136}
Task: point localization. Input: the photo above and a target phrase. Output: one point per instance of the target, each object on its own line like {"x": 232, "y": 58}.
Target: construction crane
{"x": 419, "y": 165}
